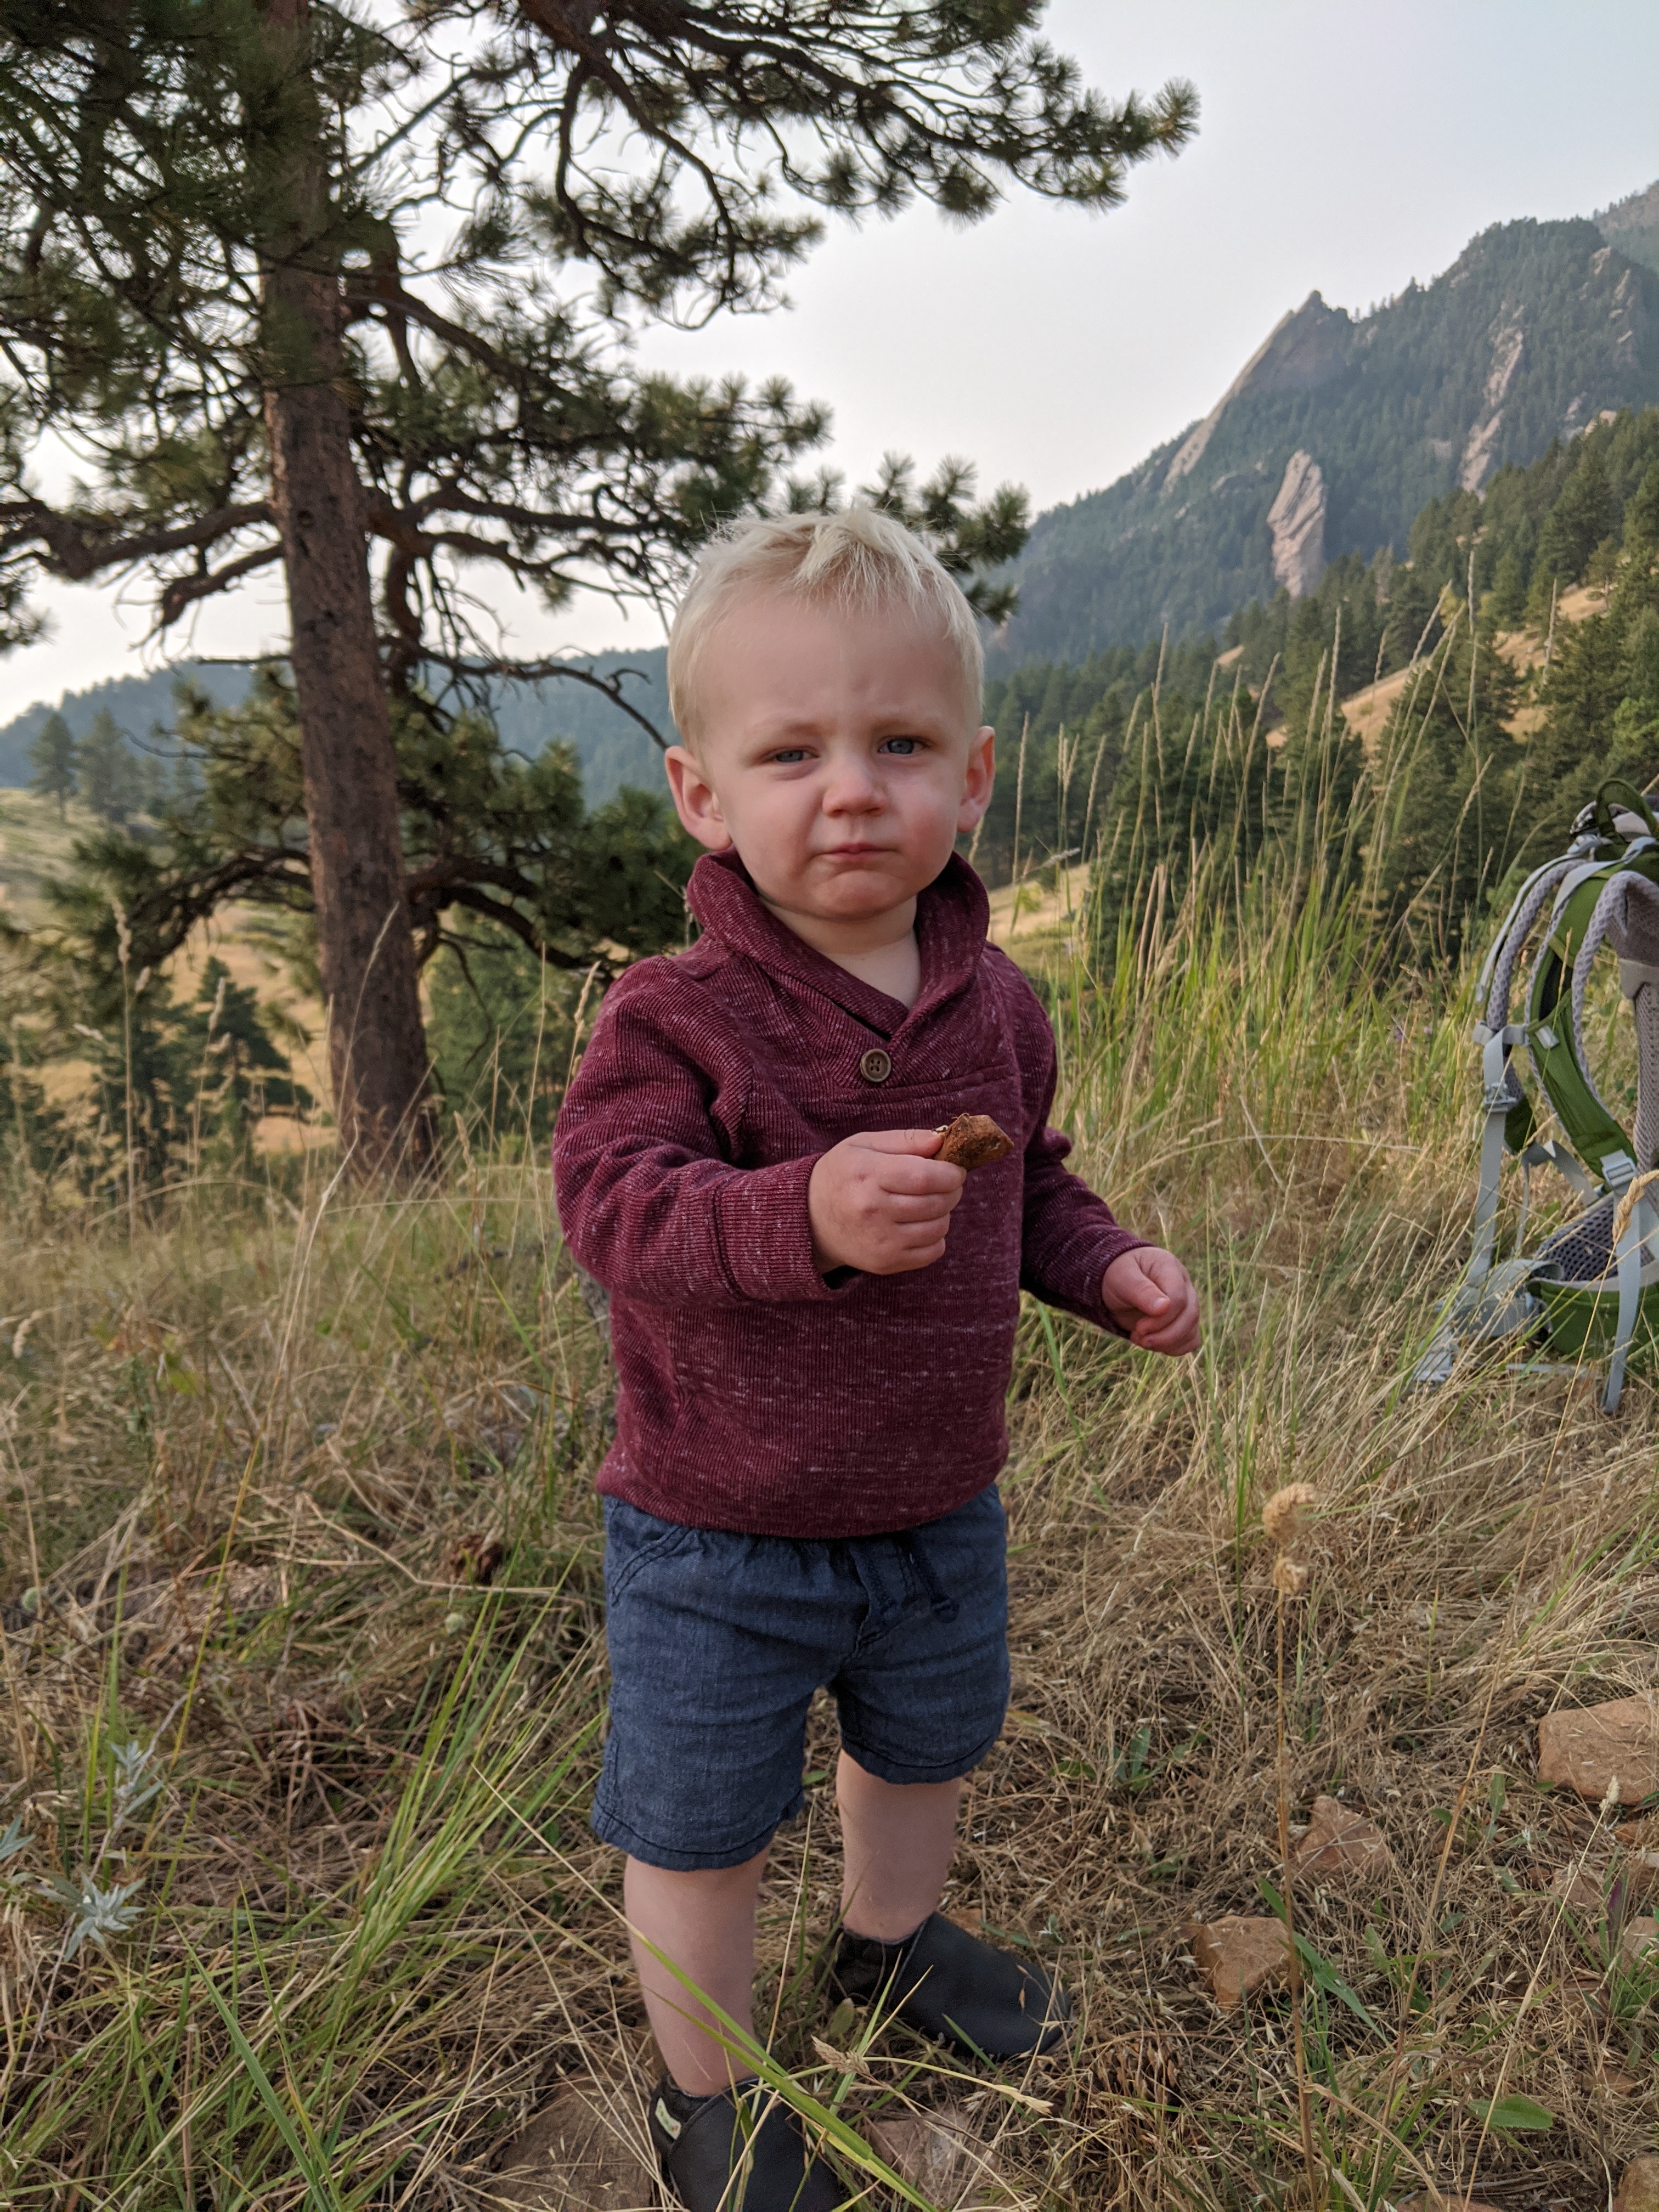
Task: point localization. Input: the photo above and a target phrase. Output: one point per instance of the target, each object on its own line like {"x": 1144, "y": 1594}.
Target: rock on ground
{"x": 1239, "y": 1954}
{"x": 1639, "y": 2191}
{"x": 572, "y": 2158}
{"x": 1582, "y": 1887}
{"x": 1340, "y": 1841}
{"x": 936, "y": 2154}
{"x": 1603, "y": 1746}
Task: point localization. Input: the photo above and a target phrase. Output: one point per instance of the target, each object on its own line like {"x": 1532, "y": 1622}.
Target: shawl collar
{"x": 951, "y": 916}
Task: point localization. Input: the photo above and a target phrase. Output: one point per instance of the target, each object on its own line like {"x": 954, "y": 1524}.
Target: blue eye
{"x": 790, "y": 755}
{"x": 904, "y": 745}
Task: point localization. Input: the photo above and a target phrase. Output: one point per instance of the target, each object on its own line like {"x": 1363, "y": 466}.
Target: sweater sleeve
{"x": 1069, "y": 1236}
{"x": 647, "y": 1202}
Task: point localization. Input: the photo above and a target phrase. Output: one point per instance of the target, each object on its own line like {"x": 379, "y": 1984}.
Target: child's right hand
{"x": 879, "y": 1202}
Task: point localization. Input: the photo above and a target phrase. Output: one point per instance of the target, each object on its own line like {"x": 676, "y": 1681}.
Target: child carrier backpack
{"x": 1591, "y": 1288}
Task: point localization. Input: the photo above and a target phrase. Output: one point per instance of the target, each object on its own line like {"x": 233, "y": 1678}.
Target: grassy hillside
{"x": 34, "y": 846}
{"x": 332, "y": 1791}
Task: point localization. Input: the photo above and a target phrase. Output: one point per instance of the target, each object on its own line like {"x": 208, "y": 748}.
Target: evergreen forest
{"x": 1510, "y": 720}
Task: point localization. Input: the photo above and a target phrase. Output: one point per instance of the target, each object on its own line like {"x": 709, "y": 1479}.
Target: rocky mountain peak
{"x": 1304, "y": 349}
{"x": 1336, "y": 432}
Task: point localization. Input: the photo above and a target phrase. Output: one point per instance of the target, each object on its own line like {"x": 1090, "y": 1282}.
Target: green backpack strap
{"x": 1599, "y": 1140}
{"x": 1509, "y": 1118}
{"x": 1618, "y": 789}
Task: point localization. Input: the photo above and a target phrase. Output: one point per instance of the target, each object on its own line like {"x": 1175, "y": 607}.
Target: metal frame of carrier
{"x": 1593, "y": 1286}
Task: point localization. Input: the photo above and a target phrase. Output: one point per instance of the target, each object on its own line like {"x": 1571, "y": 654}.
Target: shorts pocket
{"x": 632, "y": 1539}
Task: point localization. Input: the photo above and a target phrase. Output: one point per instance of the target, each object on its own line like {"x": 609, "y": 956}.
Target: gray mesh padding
{"x": 1515, "y": 942}
{"x": 1582, "y": 1250}
{"x": 1627, "y": 917}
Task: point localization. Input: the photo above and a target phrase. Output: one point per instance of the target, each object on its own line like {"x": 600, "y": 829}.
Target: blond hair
{"x": 860, "y": 559}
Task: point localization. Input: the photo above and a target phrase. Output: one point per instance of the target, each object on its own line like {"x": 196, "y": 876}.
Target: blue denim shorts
{"x": 719, "y": 1642}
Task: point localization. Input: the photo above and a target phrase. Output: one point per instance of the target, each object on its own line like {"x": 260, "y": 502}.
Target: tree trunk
{"x": 376, "y": 1044}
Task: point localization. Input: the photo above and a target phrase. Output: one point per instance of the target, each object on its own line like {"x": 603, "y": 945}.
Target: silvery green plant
{"x": 96, "y": 1914}
{"x": 132, "y": 1792}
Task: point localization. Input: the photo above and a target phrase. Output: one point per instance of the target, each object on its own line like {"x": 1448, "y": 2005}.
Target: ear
{"x": 982, "y": 776}
{"x": 695, "y": 799}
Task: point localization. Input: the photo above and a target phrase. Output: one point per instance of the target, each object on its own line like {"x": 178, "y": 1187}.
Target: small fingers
{"x": 1174, "y": 1334}
{"x": 918, "y": 1143}
{"x": 904, "y": 1173}
{"x": 936, "y": 1206}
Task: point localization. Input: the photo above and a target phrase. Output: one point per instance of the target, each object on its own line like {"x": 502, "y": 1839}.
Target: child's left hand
{"x": 1150, "y": 1295}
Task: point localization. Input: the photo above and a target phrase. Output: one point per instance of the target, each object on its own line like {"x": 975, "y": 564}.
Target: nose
{"x": 853, "y": 787}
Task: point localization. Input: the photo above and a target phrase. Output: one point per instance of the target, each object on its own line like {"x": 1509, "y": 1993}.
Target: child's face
{"x": 838, "y": 754}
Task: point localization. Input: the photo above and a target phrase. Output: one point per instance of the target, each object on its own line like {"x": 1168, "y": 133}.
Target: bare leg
{"x": 705, "y": 1922}
{"x": 897, "y": 1841}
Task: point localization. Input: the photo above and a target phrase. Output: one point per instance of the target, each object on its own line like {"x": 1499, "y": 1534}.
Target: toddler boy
{"x": 813, "y": 1317}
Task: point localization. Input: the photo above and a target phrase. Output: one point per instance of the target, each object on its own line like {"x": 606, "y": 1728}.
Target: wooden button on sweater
{"x": 876, "y": 1066}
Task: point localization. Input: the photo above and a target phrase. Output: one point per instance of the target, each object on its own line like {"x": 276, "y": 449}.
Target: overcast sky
{"x": 1345, "y": 145}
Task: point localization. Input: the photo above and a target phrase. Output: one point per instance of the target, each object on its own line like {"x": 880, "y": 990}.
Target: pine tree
{"x": 1508, "y": 591}
{"x": 107, "y": 772}
{"x": 223, "y": 265}
{"x": 1579, "y": 520}
{"x": 54, "y": 755}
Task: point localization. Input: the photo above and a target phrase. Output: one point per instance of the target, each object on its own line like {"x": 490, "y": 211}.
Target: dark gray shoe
{"x": 740, "y": 2150}
{"x": 947, "y": 1983}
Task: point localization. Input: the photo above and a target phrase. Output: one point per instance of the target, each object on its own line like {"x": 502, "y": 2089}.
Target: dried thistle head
{"x": 1281, "y": 1516}
{"x": 1290, "y": 1576}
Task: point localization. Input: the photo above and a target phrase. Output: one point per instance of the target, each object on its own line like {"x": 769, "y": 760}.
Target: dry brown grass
{"x": 243, "y": 1458}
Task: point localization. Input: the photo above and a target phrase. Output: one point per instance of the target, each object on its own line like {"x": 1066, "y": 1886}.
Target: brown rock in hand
{"x": 1239, "y": 1954}
{"x": 1340, "y": 1842}
{"x": 973, "y": 1141}
{"x": 1592, "y": 1750}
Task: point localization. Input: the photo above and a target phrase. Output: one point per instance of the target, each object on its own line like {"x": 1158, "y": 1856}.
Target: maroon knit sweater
{"x": 755, "y": 1395}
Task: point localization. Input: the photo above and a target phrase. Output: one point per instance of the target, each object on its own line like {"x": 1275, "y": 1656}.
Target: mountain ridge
{"x": 612, "y": 748}
{"x": 1339, "y": 429}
